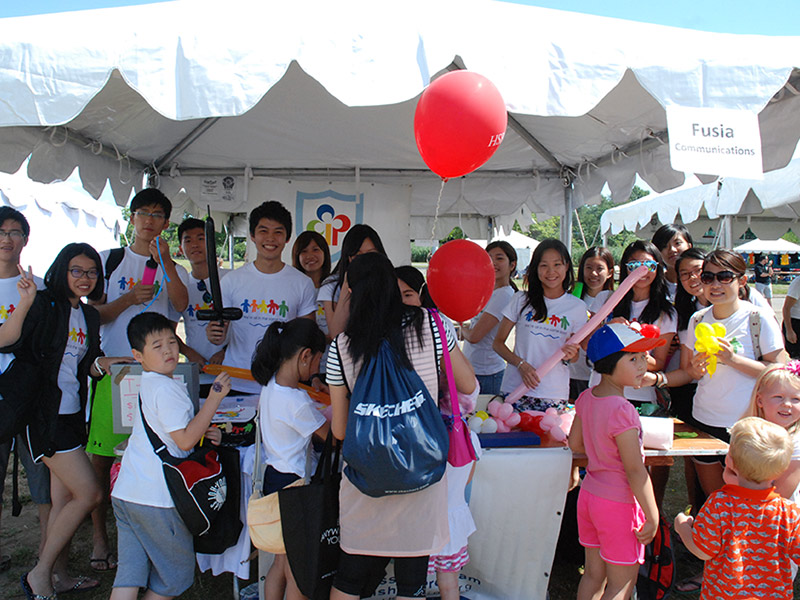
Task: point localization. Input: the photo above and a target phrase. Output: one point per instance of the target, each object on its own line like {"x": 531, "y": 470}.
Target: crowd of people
{"x": 318, "y": 324}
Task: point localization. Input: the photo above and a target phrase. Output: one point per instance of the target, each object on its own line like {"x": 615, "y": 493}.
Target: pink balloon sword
{"x": 584, "y": 331}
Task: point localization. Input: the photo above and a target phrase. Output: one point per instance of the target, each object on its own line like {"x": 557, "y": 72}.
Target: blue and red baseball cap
{"x": 618, "y": 337}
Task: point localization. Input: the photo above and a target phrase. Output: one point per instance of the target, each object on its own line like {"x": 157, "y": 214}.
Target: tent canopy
{"x": 312, "y": 90}
{"x": 769, "y": 206}
{"x": 58, "y": 214}
{"x": 779, "y": 246}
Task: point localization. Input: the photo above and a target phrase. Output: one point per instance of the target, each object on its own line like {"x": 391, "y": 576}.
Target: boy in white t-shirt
{"x": 196, "y": 348}
{"x": 266, "y": 290}
{"x": 126, "y": 296}
{"x": 14, "y": 234}
{"x": 155, "y": 549}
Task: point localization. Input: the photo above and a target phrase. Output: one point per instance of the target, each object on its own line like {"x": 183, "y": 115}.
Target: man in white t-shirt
{"x": 14, "y": 234}
{"x": 267, "y": 290}
{"x": 126, "y": 296}
{"x": 196, "y": 348}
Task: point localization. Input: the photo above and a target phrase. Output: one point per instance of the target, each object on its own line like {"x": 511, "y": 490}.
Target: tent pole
{"x": 566, "y": 220}
{"x": 727, "y": 226}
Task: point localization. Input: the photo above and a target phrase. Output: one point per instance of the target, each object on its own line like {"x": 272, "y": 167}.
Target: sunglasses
{"x": 635, "y": 264}
{"x": 201, "y": 287}
{"x": 723, "y": 276}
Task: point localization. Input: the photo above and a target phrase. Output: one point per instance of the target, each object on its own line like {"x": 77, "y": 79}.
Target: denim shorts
{"x": 154, "y": 549}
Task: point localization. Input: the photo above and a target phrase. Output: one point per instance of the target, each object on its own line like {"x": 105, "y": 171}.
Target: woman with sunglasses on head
{"x": 55, "y": 339}
{"x": 722, "y": 398}
{"x": 480, "y": 332}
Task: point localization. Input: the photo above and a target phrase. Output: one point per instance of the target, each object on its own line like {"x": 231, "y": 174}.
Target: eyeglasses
{"x": 687, "y": 275}
{"x": 723, "y": 276}
{"x": 157, "y": 216}
{"x": 201, "y": 287}
{"x": 13, "y": 234}
{"x": 78, "y": 273}
{"x": 635, "y": 264}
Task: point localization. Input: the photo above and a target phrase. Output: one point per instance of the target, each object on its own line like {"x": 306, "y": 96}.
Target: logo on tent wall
{"x": 329, "y": 213}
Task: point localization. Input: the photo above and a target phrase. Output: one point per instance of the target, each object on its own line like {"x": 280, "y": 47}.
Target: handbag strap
{"x": 448, "y": 367}
{"x": 159, "y": 447}
{"x": 258, "y": 471}
{"x": 329, "y": 461}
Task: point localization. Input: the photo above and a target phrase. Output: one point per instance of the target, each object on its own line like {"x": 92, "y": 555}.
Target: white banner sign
{"x": 715, "y": 141}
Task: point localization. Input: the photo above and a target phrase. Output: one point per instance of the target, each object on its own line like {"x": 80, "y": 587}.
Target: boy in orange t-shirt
{"x": 747, "y": 533}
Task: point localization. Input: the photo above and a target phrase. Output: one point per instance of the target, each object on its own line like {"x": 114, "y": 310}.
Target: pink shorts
{"x": 610, "y": 526}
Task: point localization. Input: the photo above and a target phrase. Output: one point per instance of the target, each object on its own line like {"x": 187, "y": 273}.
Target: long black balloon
{"x": 217, "y": 313}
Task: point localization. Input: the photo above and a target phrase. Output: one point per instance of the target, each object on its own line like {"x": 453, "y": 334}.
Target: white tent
{"x": 58, "y": 214}
{"x": 767, "y": 207}
{"x": 324, "y": 92}
{"x": 779, "y": 246}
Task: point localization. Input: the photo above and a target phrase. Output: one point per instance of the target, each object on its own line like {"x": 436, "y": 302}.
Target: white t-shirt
{"x": 288, "y": 418}
{"x": 794, "y": 292}
{"x": 167, "y": 408}
{"x": 536, "y": 341}
{"x": 665, "y": 323}
{"x": 328, "y": 291}
{"x": 68, "y": 370}
{"x": 114, "y": 335}
{"x": 263, "y": 298}
{"x": 199, "y": 299}
{"x": 721, "y": 400}
{"x": 672, "y": 289}
{"x": 9, "y": 298}
{"x": 580, "y": 369}
{"x": 484, "y": 360}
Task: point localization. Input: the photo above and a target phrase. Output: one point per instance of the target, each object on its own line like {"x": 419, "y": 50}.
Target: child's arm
{"x": 187, "y": 438}
{"x": 683, "y": 526}
{"x": 787, "y": 483}
{"x": 576, "y": 437}
{"x": 322, "y": 432}
{"x": 639, "y": 480}
{"x": 12, "y": 328}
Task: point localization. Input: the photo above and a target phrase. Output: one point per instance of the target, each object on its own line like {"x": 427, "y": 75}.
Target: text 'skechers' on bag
{"x": 396, "y": 442}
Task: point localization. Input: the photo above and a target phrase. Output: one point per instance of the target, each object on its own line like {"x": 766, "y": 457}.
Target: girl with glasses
{"x": 55, "y": 338}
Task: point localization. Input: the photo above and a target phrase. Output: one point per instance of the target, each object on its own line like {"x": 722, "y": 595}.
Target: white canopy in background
{"x": 778, "y": 246}
{"x": 326, "y": 91}
{"x": 58, "y": 214}
{"x": 767, "y": 207}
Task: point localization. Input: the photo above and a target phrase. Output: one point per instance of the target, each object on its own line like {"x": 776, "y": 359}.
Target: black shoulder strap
{"x": 159, "y": 447}
{"x": 115, "y": 257}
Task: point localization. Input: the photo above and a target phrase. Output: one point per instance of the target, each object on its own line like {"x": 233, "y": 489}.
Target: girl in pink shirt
{"x": 617, "y": 511}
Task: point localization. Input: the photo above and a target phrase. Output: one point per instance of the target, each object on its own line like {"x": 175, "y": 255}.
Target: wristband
{"x": 519, "y": 364}
{"x": 661, "y": 379}
{"x": 97, "y": 366}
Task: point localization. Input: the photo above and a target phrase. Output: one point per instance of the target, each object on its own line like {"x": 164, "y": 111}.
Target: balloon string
{"x": 436, "y": 215}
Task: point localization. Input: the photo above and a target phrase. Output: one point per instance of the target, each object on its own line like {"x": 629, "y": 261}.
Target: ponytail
{"x": 282, "y": 341}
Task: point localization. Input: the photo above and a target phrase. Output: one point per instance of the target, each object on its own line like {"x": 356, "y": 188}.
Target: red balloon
{"x": 459, "y": 123}
{"x": 460, "y": 279}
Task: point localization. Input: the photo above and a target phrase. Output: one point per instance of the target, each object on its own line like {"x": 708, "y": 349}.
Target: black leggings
{"x": 359, "y": 575}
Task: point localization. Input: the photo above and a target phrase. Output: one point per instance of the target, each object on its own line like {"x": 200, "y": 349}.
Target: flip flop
{"x": 26, "y": 588}
{"x": 690, "y": 585}
{"x": 82, "y": 584}
{"x": 107, "y": 562}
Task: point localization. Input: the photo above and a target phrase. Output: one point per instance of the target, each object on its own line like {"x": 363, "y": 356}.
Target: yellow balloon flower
{"x": 706, "y": 340}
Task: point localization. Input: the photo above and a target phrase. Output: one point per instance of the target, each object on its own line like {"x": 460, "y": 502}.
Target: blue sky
{"x": 771, "y": 17}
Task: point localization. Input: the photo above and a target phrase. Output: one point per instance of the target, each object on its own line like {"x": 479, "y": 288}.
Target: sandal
{"x": 82, "y": 584}
{"x": 109, "y": 563}
{"x": 690, "y": 585}
{"x": 26, "y": 588}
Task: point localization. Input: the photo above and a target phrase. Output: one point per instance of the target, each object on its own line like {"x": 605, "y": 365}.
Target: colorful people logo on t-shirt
{"x": 266, "y": 306}
{"x": 554, "y": 321}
